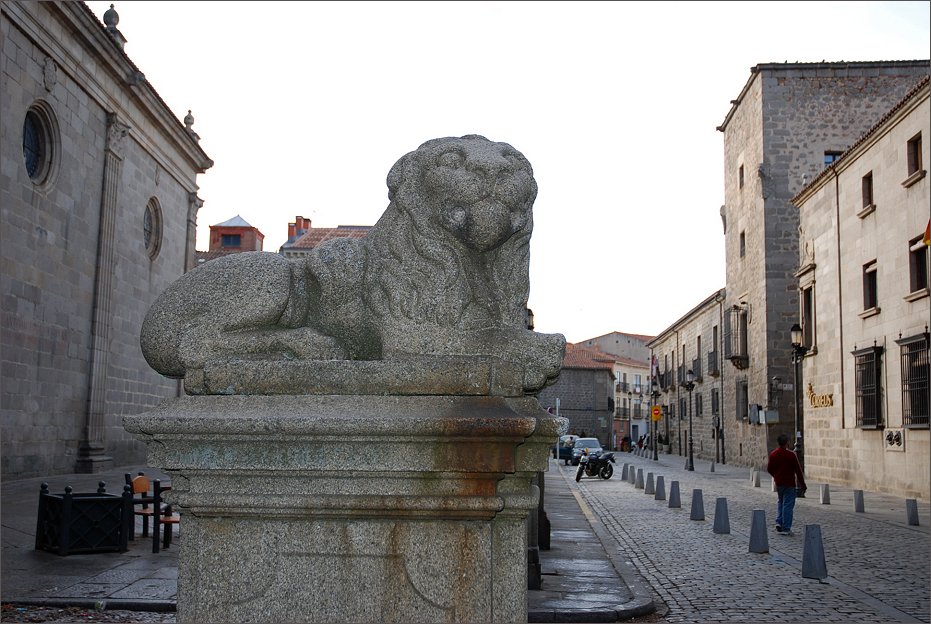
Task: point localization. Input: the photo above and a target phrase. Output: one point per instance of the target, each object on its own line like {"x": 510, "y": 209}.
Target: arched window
{"x": 152, "y": 228}
{"x": 40, "y": 140}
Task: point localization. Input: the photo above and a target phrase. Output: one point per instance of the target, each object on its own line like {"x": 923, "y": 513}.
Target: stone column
{"x": 92, "y": 452}
{"x": 326, "y": 508}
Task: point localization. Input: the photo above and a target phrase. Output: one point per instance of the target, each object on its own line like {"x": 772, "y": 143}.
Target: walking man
{"x": 787, "y": 473}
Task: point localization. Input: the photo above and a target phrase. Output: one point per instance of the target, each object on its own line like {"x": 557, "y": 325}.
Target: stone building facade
{"x": 584, "y": 393}
{"x": 693, "y": 343}
{"x": 632, "y": 399}
{"x": 787, "y": 123}
{"x": 863, "y": 279}
{"x": 98, "y": 188}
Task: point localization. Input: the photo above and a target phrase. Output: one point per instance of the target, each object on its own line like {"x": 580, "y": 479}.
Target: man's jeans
{"x": 785, "y": 508}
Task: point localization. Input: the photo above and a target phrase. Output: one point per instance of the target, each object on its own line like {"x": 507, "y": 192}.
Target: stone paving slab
{"x": 877, "y": 565}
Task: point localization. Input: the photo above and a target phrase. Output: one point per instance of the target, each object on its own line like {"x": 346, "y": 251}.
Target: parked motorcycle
{"x": 595, "y": 465}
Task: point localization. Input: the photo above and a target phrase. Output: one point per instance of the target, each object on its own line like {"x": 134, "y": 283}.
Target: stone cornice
{"x": 113, "y": 64}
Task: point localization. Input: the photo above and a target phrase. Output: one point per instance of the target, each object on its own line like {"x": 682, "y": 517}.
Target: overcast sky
{"x": 305, "y": 106}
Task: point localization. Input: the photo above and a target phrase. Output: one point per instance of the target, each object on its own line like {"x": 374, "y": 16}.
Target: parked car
{"x": 592, "y": 444}
{"x": 563, "y": 449}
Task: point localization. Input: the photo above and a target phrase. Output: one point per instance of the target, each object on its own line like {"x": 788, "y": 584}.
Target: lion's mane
{"x": 419, "y": 271}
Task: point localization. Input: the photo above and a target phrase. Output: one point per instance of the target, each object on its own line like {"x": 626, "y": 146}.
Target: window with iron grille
{"x": 916, "y": 372}
{"x": 683, "y": 409}
{"x": 867, "y": 375}
{"x": 715, "y": 402}
{"x": 699, "y": 405}
{"x": 742, "y": 401}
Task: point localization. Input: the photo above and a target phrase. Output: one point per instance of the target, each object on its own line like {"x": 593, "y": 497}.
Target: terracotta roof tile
{"x": 315, "y": 236}
{"x": 586, "y": 358}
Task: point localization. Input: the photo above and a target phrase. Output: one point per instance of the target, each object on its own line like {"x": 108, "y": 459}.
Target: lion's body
{"x": 444, "y": 272}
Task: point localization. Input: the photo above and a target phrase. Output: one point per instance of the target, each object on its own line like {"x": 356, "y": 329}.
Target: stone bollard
{"x": 825, "y": 494}
{"x": 722, "y": 524}
{"x": 813, "y": 564}
{"x": 686, "y": 466}
{"x": 712, "y": 466}
{"x": 698, "y": 506}
{"x": 752, "y": 475}
{"x": 756, "y": 478}
{"x": 911, "y": 511}
{"x": 624, "y": 472}
{"x": 858, "y": 501}
{"x": 631, "y": 475}
{"x": 639, "y": 482}
{"x": 759, "y": 541}
{"x": 660, "y": 488}
{"x": 674, "y": 495}
{"x": 648, "y": 487}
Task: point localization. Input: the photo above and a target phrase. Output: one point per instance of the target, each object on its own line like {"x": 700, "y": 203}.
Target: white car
{"x": 592, "y": 444}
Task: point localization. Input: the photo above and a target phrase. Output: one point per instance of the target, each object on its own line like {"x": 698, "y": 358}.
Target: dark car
{"x": 563, "y": 449}
{"x": 592, "y": 444}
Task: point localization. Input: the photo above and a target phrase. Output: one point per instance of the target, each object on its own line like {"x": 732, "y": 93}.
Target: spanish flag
{"x": 927, "y": 238}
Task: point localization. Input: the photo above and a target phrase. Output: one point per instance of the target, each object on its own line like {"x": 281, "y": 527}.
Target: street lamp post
{"x": 655, "y": 396}
{"x": 641, "y": 411}
{"x": 690, "y": 385}
{"x": 679, "y": 427}
{"x": 798, "y": 352}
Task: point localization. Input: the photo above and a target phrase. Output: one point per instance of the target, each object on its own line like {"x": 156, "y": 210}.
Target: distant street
{"x": 877, "y": 564}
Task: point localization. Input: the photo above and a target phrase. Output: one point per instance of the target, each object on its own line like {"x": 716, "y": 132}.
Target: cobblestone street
{"x": 877, "y": 565}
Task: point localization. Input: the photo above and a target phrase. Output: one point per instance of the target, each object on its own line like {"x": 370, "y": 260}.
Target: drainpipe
{"x": 840, "y": 297}
{"x": 719, "y": 299}
{"x": 678, "y": 400}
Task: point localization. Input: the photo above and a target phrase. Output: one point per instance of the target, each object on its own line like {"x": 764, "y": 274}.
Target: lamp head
{"x": 690, "y": 376}
{"x": 796, "y": 335}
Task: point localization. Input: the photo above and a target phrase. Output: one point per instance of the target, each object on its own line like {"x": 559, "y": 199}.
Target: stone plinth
{"x": 351, "y": 508}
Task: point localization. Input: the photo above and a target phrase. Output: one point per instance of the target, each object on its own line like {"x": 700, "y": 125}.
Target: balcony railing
{"x": 713, "y": 368}
{"x": 696, "y": 369}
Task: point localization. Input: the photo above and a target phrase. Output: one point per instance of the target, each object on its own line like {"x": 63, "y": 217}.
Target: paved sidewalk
{"x": 136, "y": 580}
{"x": 877, "y": 564}
{"x": 581, "y": 580}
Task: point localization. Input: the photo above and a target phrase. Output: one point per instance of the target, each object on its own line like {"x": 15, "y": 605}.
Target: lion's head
{"x": 452, "y": 247}
{"x": 479, "y": 191}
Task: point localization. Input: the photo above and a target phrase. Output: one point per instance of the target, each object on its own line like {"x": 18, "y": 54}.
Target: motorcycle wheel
{"x": 606, "y": 471}
{"x": 578, "y": 473}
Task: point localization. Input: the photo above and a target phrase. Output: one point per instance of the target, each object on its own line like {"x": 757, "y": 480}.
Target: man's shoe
{"x": 786, "y": 532}
{"x": 778, "y": 529}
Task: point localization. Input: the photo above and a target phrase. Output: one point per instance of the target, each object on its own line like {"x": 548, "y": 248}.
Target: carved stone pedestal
{"x": 351, "y": 508}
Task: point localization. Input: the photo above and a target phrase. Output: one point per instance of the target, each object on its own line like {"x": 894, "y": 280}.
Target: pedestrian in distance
{"x": 786, "y": 471}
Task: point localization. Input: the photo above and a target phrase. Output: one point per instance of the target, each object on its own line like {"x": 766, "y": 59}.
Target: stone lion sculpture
{"x": 443, "y": 274}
